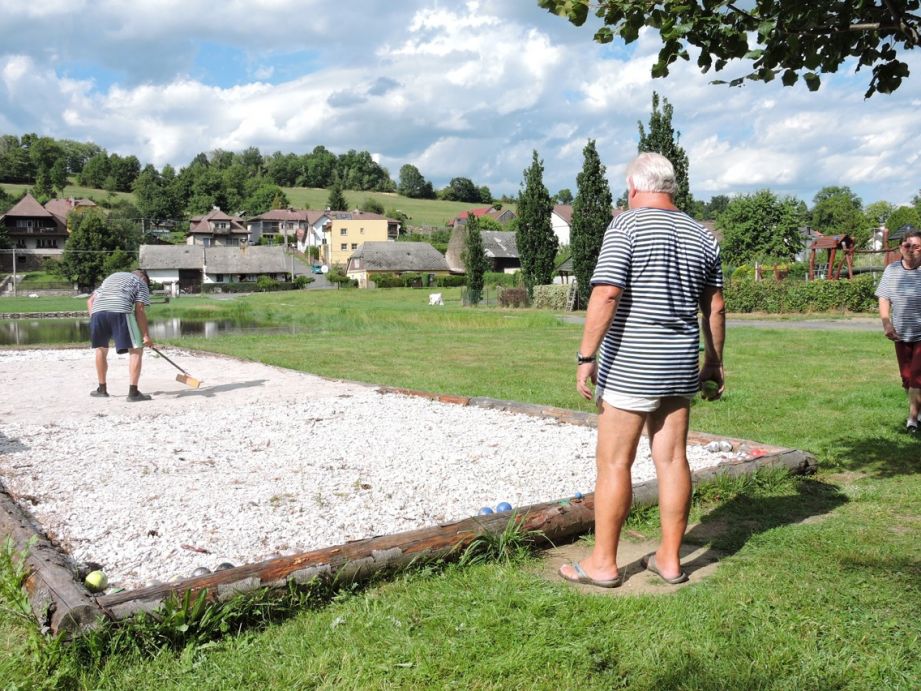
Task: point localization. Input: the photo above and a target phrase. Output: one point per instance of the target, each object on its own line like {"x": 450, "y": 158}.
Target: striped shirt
{"x": 902, "y": 288}
{"x": 119, "y": 292}
{"x": 663, "y": 260}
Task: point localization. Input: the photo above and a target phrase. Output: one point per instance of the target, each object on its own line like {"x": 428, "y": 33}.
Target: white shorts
{"x": 637, "y": 404}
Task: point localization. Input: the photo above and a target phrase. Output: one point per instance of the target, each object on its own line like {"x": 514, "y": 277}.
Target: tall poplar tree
{"x": 663, "y": 139}
{"x": 336, "y": 200}
{"x": 537, "y": 243}
{"x": 474, "y": 258}
{"x": 591, "y": 215}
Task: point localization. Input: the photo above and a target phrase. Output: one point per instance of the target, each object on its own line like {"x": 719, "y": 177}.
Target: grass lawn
{"x": 820, "y": 587}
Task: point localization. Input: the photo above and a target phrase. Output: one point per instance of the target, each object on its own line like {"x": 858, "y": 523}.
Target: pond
{"x": 58, "y": 331}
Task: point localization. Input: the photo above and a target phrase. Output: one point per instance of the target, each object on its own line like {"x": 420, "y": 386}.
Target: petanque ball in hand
{"x": 96, "y": 581}
{"x": 710, "y": 390}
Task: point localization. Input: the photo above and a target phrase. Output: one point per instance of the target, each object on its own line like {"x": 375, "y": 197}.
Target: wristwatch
{"x": 584, "y": 359}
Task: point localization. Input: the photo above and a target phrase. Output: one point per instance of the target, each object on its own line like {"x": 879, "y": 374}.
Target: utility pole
{"x": 14, "y": 272}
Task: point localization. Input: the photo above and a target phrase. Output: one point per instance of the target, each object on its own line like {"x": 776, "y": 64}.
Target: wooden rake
{"x": 185, "y": 377}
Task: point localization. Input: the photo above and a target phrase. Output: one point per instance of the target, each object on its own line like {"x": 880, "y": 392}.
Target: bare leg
{"x": 618, "y": 435}
{"x": 668, "y": 432}
{"x": 134, "y": 365}
{"x": 914, "y": 403}
{"x": 102, "y": 365}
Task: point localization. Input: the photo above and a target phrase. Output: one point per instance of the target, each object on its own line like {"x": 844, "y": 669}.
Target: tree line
{"x": 238, "y": 182}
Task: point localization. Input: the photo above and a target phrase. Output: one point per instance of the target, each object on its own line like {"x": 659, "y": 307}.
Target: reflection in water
{"x": 53, "y": 331}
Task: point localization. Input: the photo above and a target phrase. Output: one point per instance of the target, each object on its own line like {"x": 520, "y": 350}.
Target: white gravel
{"x": 260, "y": 462}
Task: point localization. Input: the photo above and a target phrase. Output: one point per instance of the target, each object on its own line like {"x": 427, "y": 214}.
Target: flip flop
{"x": 582, "y": 577}
{"x": 649, "y": 563}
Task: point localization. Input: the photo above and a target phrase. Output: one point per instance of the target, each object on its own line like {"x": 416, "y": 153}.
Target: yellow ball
{"x": 96, "y": 581}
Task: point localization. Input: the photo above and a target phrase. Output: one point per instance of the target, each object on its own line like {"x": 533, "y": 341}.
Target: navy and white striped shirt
{"x": 119, "y": 292}
{"x": 663, "y": 260}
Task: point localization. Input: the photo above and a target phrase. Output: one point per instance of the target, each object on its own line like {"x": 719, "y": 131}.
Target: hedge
{"x": 552, "y": 297}
{"x": 854, "y": 295}
{"x": 252, "y": 286}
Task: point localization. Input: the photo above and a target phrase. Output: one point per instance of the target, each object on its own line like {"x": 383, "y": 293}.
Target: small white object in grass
{"x": 436, "y": 299}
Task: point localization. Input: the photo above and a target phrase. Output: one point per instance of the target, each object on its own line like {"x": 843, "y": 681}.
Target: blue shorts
{"x": 118, "y": 326}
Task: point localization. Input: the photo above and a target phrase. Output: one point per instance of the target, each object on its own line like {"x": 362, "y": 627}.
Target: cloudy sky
{"x": 456, "y": 88}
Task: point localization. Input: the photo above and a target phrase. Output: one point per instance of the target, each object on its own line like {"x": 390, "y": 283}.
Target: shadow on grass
{"x": 881, "y": 456}
{"x": 730, "y": 525}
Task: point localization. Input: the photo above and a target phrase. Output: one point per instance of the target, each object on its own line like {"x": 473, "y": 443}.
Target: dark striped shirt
{"x": 663, "y": 260}
{"x": 902, "y": 288}
{"x": 119, "y": 292}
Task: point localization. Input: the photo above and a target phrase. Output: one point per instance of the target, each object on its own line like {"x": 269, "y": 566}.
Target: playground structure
{"x": 845, "y": 243}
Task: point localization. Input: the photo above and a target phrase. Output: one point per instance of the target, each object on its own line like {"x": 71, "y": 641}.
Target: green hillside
{"x": 421, "y": 212}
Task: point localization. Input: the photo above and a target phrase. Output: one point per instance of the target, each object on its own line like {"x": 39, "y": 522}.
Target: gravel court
{"x": 260, "y": 461}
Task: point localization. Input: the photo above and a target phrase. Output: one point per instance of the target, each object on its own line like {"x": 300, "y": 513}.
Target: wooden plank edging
{"x": 59, "y": 601}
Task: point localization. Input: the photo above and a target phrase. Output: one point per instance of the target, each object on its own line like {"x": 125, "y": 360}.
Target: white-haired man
{"x": 657, "y": 270}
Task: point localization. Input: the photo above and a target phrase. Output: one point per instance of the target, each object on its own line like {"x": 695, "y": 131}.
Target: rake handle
{"x": 153, "y": 348}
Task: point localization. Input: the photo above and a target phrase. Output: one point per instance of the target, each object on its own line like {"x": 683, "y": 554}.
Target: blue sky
{"x": 455, "y": 88}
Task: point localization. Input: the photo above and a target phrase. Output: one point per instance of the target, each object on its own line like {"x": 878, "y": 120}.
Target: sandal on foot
{"x": 649, "y": 563}
{"x": 582, "y": 577}
{"x": 134, "y": 397}
{"x": 96, "y": 393}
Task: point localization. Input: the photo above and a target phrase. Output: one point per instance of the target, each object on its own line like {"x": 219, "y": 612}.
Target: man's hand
{"x": 713, "y": 372}
{"x": 889, "y": 330}
{"x": 584, "y": 373}
{"x": 148, "y": 342}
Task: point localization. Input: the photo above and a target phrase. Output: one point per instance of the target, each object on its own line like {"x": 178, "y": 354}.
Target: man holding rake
{"x": 117, "y": 313}
{"x": 657, "y": 268}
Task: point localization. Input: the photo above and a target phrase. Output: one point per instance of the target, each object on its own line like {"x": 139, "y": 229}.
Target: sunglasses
{"x": 909, "y": 246}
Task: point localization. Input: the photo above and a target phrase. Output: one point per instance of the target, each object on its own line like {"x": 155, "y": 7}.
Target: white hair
{"x": 652, "y": 172}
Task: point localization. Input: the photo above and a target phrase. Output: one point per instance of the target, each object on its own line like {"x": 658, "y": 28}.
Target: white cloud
{"x": 456, "y": 89}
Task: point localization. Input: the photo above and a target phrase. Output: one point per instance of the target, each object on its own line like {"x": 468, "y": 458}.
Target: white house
{"x": 561, "y": 222}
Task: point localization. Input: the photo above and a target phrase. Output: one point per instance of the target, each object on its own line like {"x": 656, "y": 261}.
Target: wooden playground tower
{"x": 845, "y": 243}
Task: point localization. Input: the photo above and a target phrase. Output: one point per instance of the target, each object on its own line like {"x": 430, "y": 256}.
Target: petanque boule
{"x": 201, "y": 571}
{"x": 710, "y": 390}
{"x": 96, "y": 581}
{"x": 485, "y": 511}
{"x": 504, "y": 506}
{"x": 223, "y": 566}
{"x": 578, "y": 495}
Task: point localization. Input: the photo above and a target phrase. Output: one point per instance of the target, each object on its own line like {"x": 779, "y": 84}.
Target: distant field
{"x": 70, "y": 191}
{"x": 421, "y": 212}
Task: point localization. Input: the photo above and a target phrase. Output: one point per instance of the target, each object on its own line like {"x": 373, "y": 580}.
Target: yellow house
{"x": 346, "y": 231}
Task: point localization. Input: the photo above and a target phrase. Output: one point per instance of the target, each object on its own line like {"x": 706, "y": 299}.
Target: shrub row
{"x": 854, "y": 295}
{"x": 513, "y": 297}
{"x": 551, "y": 297}
{"x": 498, "y": 278}
{"x": 263, "y": 285}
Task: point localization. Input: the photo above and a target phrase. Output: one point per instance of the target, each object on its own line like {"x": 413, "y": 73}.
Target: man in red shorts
{"x": 899, "y": 294}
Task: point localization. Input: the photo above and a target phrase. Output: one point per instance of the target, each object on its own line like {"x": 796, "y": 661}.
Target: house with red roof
{"x": 217, "y": 229}
{"x": 38, "y": 232}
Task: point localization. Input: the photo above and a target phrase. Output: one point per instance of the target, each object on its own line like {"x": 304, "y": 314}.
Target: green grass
{"x": 428, "y": 212}
{"x": 76, "y": 191}
{"x": 819, "y": 587}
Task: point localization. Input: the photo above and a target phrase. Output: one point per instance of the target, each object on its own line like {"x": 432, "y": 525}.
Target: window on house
{"x": 354, "y": 245}
{"x": 206, "y": 242}
{"x": 23, "y": 222}
{"x": 361, "y": 231}
{"x": 343, "y": 231}
{"x": 344, "y": 246}
{"x": 20, "y": 244}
